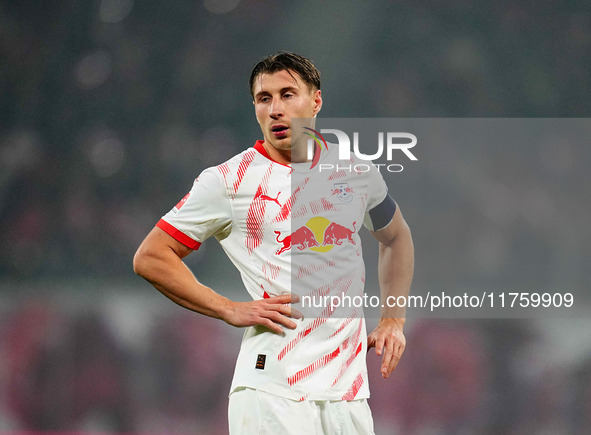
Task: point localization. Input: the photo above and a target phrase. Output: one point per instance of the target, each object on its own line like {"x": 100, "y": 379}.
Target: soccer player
{"x": 294, "y": 374}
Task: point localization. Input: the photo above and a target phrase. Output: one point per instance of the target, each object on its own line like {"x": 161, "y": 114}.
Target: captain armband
{"x": 381, "y": 215}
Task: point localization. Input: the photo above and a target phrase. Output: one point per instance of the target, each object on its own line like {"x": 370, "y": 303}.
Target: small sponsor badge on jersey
{"x": 182, "y": 201}
{"x": 260, "y": 362}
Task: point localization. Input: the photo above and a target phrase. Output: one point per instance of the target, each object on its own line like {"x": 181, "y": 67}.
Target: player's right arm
{"x": 159, "y": 261}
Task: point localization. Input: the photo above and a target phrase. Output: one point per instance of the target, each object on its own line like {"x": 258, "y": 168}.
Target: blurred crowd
{"x": 156, "y": 370}
{"x": 111, "y": 108}
{"x": 73, "y": 371}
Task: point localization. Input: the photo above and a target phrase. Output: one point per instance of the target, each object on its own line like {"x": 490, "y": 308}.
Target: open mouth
{"x": 279, "y": 130}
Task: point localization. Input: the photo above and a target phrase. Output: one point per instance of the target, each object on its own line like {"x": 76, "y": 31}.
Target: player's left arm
{"x": 395, "y": 272}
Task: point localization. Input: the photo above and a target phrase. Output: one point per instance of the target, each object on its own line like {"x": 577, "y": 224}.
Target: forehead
{"x": 272, "y": 82}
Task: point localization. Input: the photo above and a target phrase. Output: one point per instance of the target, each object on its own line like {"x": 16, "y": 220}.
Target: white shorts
{"x": 257, "y": 412}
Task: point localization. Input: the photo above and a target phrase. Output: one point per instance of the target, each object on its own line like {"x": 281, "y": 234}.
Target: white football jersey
{"x": 290, "y": 228}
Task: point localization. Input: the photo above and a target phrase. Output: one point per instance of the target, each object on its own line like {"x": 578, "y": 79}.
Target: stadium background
{"x": 110, "y": 108}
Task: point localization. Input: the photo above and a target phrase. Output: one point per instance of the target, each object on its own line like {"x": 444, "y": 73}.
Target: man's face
{"x": 278, "y": 98}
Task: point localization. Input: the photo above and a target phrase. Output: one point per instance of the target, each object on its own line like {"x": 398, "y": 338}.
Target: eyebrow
{"x": 281, "y": 91}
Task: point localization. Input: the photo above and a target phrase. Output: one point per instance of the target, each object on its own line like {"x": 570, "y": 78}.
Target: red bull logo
{"x": 336, "y": 234}
{"x": 316, "y": 229}
{"x": 343, "y": 192}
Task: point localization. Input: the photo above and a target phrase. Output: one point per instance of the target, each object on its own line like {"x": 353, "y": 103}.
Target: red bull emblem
{"x": 317, "y": 228}
{"x": 336, "y": 234}
{"x": 343, "y": 192}
{"x": 301, "y": 238}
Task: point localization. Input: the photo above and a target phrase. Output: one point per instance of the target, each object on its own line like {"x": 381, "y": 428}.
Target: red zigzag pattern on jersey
{"x": 284, "y": 212}
{"x": 272, "y": 273}
{"x": 313, "y": 367}
{"x": 336, "y": 175}
{"x": 342, "y": 284}
{"x": 345, "y": 323}
{"x": 321, "y": 362}
{"x": 256, "y": 214}
{"x": 301, "y": 210}
{"x": 355, "y": 339}
{"x": 233, "y": 183}
{"x": 224, "y": 169}
{"x": 286, "y": 208}
{"x": 354, "y": 389}
{"x": 242, "y": 167}
{"x": 321, "y": 205}
{"x": 305, "y": 271}
{"x": 320, "y": 292}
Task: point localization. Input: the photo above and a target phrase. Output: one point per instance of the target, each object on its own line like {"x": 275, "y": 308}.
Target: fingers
{"x": 287, "y": 310}
{"x": 387, "y": 359}
{"x": 391, "y": 358}
{"x": 280, "y": 319}
{"x": 272, "y": 320}
{"x": 379, "y": 343}
{"x": 288, "y": 298}
{"x": 277, "y": 313}
{"x": 272, "y": 326}
{"x": 296, "y": 314}
{"x": 389, "y": 342}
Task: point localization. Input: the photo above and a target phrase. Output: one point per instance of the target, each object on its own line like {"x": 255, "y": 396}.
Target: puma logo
{"x": 268, "y": 198}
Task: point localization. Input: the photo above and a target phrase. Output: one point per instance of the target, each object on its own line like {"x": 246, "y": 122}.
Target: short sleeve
{"x": 204, "y": 212}
{"x": 376, "y": 187}
{"x": 380, "y": 206}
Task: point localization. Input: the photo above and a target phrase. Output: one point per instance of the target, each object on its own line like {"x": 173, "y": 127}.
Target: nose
{"x": 276, "y": 109}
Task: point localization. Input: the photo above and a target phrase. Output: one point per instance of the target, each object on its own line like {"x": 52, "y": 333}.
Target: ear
{"x": 317, "y": 101}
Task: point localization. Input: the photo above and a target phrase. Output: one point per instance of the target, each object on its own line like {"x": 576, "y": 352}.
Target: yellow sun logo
{"x": 318, "y": 224}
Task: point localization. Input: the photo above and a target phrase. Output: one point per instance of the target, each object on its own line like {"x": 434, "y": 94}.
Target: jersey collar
{"x": 261, "y": 149}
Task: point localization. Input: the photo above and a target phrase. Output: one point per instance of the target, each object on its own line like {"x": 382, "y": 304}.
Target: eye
{"x": 264, "y": 99}
{"x": 288, "y": 95}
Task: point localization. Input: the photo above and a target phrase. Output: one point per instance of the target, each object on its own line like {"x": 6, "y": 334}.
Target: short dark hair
{"x": 286, "y": 61}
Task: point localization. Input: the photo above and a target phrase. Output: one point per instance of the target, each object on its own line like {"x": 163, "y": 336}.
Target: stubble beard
{"x": 282, "y": 144}
{"x": 297, "y": 151}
